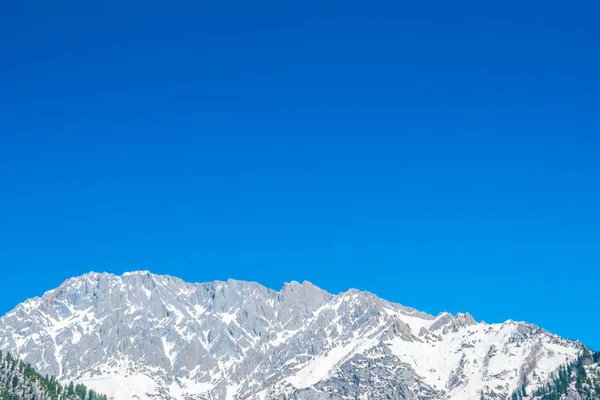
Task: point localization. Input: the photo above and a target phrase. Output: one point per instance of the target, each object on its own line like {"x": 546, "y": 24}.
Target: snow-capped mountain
{"x": 147, "y": 336}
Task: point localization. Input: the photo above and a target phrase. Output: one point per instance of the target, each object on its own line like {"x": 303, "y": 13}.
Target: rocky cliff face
{"x": 146, "y": 336}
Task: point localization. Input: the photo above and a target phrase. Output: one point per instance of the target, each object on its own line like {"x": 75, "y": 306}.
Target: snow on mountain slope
{"x": 146, "y": 336}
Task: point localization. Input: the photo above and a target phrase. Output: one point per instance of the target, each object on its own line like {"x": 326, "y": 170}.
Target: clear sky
{"x": 444, "y": 155}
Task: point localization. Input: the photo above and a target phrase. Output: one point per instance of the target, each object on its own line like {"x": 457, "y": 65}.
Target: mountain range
{"x": 144, "y": 336}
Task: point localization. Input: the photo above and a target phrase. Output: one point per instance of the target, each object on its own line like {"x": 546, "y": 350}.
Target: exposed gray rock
{"x": 240, "y": 340}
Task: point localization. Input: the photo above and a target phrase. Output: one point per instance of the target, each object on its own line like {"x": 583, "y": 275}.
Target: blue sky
{"x": 444, "y": 156}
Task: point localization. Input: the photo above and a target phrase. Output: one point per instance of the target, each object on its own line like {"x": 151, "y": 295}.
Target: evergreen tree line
{"x": 19, "y": 380}
{"x": 572, "y": 375}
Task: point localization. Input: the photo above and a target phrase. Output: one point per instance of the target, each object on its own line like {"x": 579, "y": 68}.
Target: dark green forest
{"x": 20, "y": 381}
{"x": 581, "y": 376}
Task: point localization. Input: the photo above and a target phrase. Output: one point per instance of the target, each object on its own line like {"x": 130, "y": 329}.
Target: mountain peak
{"x": 140, "y": 272}
{"x": 238, "y": 339}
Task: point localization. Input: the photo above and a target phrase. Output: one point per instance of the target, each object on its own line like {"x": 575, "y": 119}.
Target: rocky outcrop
{"x": 147, "y": 336}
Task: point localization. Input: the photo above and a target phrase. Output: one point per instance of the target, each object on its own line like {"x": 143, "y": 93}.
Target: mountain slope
{"x": 142, "y": 335}
{"x": 577, "y": 380}
{"x": 19, "y": 381}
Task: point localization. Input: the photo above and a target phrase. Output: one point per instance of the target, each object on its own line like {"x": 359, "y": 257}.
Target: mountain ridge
{"x": 290, "y": 283}
{"x": 238, "y": 339}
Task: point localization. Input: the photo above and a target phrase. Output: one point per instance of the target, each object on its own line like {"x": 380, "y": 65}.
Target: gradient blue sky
{"x": 444, "y": 155}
